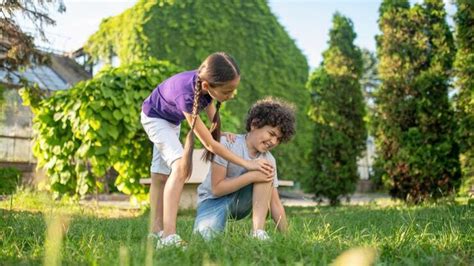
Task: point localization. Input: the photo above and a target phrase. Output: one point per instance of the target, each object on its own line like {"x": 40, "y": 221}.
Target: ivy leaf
{"x": 57, "y": 116}
{"x": 113, "y": 132}
{"x": 95, "y": 124}
{"x": 117, "y": 115}
{"x": 83, "y": 149}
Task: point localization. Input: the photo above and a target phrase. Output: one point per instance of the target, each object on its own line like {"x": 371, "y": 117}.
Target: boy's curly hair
{"x": 273, "y": 112}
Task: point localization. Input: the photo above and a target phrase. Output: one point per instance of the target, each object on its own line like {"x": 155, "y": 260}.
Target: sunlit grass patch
{"x": 433, "y": 234}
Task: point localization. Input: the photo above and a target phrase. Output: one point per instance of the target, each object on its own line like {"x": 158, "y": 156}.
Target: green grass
{"x": 402, "y": 235}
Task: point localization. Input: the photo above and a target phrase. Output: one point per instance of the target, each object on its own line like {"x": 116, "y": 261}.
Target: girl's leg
{"x": 158, "y": 182}
{"x": 172, "y": 194}
{"x": 260, "y": 204}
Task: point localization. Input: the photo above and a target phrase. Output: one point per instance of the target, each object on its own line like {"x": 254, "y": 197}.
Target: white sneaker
{"x": 173, "y": 240}
{"x": 155, "y": 236}
{"x": 260, "y": 234}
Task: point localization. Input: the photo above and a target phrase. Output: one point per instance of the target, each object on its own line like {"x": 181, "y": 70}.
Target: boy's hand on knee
{"x": 260, "y": 177}
{"x": 260, "y": 165}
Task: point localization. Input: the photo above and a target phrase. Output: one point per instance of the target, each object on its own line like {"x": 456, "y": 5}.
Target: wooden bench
{"x": 200, "y": 169}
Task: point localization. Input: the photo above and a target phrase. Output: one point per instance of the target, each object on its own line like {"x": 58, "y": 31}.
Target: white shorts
{"x": 166, "y": 145}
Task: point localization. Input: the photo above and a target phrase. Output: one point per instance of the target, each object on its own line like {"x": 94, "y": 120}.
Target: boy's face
{"x": 265, "y": 138}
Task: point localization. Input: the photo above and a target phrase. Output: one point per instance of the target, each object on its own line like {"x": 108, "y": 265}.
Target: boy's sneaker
{"x": 173, "y": 240}
{"x": 260, "y": 235}
{"x": 155, "y": 236}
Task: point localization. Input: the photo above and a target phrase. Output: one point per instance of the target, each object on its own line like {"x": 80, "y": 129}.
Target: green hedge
{"x": 185, "y": 32}
{"x": 83, "y": 132}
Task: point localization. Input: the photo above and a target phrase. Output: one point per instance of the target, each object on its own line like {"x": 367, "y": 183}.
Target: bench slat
{"x": 282, "y": 183}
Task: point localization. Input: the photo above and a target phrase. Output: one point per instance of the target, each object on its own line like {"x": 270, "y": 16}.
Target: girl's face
{"x": 264, "y": 139}
{"x": 224, "y": 92}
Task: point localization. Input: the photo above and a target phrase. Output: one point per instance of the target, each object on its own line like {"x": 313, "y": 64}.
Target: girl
{"x": 181, "y": 97}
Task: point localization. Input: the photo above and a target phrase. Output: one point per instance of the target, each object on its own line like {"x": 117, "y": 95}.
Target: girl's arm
{"x": 222, "y": 186}
{"x": 278, "y": 212}
{"x": 211, "y": 110}
{"x": 217, "y": 148}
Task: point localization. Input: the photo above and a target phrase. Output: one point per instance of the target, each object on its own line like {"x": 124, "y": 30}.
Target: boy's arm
{"x": 278, "y": 212}
{"x": 202, "y": 132}
{"x": 222, "y": 186}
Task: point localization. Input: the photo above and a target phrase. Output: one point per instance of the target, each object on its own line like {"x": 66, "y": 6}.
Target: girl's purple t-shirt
{"x": 173, "y": 97}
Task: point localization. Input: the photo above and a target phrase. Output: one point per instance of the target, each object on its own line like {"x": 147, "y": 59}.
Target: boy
{"x": 231, "y": 191}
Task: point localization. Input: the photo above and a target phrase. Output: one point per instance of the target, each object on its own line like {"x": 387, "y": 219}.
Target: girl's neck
{"x": 204, "y": 91}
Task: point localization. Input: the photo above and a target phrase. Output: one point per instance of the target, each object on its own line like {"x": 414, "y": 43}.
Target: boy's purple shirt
{"x": 174, "y": 96}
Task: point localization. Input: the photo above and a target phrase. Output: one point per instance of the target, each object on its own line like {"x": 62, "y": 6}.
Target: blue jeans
{"x": 212, "y": 214}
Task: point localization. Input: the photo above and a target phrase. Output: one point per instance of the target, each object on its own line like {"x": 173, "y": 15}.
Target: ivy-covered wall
{"x": 186, "y": 31}
{"x": 81, "y": 133}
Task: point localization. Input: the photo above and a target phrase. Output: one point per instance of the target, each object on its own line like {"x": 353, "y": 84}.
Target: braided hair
{"x": 217, "y": 70}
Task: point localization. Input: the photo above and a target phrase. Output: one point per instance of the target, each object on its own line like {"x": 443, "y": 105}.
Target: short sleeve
{"x": 218, "y": 159}
{"x": 184, "y": 103}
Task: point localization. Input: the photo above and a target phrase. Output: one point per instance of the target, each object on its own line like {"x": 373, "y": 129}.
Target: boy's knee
{"x": 262, "y": 185}
{"x": 207, "y": 228}
{"x": 207, "y": 233}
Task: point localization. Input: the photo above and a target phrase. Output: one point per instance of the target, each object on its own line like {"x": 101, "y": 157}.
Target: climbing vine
{"x": 82, "y": 133}
{"x": 186, "y": 31}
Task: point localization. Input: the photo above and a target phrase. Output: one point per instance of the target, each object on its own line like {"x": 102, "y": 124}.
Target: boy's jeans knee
{"x": 211, "y": 217}
{"x": 212, "y": 214}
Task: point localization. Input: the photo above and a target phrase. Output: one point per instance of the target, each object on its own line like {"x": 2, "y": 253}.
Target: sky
{"x": 306, "y": 21}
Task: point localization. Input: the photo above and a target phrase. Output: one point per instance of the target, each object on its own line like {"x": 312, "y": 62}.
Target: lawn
{"x": 435, "y": 234}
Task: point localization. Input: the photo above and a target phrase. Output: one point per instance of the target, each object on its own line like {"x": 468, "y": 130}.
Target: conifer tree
{"x": 414, "y": 120}
{"x": 338, "y": 111}
{"x": 464, "y": 66}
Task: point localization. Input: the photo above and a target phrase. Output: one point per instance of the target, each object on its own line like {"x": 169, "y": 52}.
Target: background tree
{"x": 464, "y": 65}
{"x": 187, "y": 31}
{"x": 16, "y": 46}
{"x": 414, "y": 120}
{"x": 338, "y": 112}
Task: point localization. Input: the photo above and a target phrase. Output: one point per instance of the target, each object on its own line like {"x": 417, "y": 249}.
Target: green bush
{"x": 9, "y": 178}
{"x": 81, "y": 133}
{"x": 184, "y": 32}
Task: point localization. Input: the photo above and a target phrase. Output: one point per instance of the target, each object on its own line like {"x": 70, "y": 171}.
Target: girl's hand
{"x": 260, "y": 177}
{"x": 260, "y": 165}
{"x": 229, "y": 136}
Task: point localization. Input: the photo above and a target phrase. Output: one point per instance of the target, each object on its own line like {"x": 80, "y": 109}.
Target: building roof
{"x": 60, "y": 74}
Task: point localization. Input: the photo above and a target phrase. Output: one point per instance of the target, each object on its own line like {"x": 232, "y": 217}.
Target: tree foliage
{"x": 10, "y": 177}
{"x": 414, "y": 120}
{"x": 338, "y": 112}
{"x": 186, "y": 31}
{"x": 464, "y": 66}
{"x": 81, "y": 133}
{"x": 17, "y": 46}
